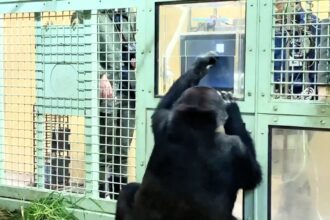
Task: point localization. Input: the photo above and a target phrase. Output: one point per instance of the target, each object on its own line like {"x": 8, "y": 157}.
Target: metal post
{"x": 91, "y": 114}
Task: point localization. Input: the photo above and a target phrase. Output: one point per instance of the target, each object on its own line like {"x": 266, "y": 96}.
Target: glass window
{"x": 185, "y": 31}
{"x": 300, "y": 176}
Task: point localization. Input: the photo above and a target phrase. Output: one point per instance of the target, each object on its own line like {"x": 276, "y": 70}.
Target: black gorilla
{"x": 195, "y": 170}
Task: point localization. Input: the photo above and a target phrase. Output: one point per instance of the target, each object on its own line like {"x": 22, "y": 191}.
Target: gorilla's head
{"x": 205, "y": 102}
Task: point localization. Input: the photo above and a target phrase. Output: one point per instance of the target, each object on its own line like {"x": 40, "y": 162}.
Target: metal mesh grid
{"x": 46, "y": 67}
{"x": 116, "y": 55}
{"x": 301, "y": 47}
{"x": 17, "y": 100}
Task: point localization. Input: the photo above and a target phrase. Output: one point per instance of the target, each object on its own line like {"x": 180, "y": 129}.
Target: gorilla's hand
{"x": 234, "y": 120}
{"x": 227, "y": 97}
{"x": 205, "y": 61}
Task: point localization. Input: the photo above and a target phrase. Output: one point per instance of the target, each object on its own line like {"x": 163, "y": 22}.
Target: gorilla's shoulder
{"x": 229, "y": 143}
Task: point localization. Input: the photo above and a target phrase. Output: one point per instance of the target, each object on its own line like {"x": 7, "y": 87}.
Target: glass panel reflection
{"x": 300, "y": 176}
{"x": 188, "y": 30}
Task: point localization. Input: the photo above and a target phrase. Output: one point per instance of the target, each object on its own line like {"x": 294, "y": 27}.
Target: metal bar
{"x": 91, "y": 116}
{"x": 40, "y": 118}
{"x": 143, "y": 55}
{"x": 249, "y": 206}
{"x": 71, "y": 5}
{"x": 251, "y": 52}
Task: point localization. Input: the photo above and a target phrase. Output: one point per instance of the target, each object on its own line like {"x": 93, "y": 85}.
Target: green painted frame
{"x": 263, "y": 124}
{"x": 91, "y": 117}
{"x": 247, "y": 105}
{"x": 265, "y": 103}
{"x": 63, "y": 5}
{"x": 259, "y": 110}
{"x": 14, "y": 197}
{"x": 40, "y": 115}
{"x": 148, "y": 100}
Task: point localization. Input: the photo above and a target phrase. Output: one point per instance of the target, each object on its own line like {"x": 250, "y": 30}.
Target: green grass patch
{"x": 53, "y": 207}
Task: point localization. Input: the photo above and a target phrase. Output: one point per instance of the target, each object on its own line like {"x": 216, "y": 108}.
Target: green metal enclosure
{"x": 75, "y": 106}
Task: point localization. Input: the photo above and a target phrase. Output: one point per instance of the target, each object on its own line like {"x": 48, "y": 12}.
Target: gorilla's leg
{"x": 126, "y": 201}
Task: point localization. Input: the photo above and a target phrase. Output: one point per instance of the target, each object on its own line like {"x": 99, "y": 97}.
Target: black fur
{"x": 126, "y": 200}
{"x": 194, "y": 171}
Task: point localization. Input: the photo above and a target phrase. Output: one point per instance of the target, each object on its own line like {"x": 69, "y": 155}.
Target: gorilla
{"x": 202, "y": 155}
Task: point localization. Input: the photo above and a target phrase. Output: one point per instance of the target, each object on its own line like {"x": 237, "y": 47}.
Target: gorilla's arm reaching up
{"x": 189, "y": 79}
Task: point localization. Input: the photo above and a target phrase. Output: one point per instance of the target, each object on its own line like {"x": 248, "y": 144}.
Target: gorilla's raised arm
{"x": 192, "y": 160}
{"x": 188, "y": 79}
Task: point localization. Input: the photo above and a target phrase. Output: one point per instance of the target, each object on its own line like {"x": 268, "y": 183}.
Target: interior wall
{"x": 19, "y": 91}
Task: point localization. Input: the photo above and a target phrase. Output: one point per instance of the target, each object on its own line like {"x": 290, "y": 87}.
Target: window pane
{"x": 300, "y": 175}
{"x": 187, "y": 30}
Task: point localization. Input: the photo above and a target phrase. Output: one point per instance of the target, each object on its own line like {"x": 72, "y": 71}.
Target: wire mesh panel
{"x": 301, "y": 47}
{"x": 116, "y": 56}
{"x": 50, "y": 63}
{"x": 18, "y": 99}
{"x": 60, "y": 101}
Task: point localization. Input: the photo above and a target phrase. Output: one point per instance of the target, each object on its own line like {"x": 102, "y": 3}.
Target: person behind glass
{"x": 116, "y": 57}
{"x": 211, "y": 23}
{"x": 117, "y": 98}
{"x": 125, "y": 128}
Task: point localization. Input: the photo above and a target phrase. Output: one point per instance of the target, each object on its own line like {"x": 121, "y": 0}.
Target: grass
{"x": 53, "y": 207}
